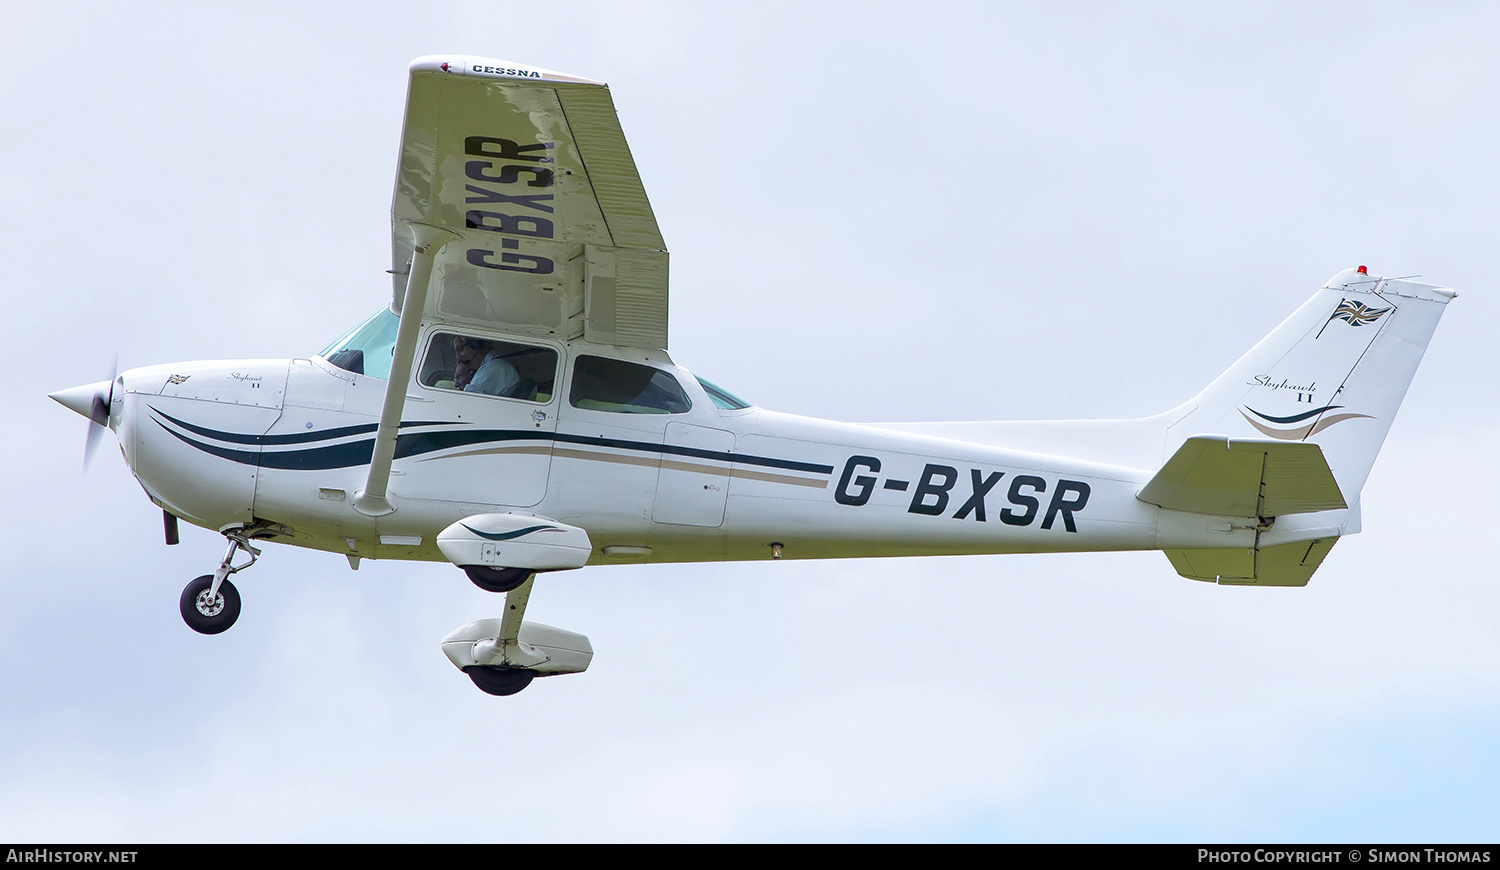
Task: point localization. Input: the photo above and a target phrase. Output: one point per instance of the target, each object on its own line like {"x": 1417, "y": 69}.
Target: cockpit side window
{"x": 601, "y": 384}
{"x": 367, "y": 348}
{"x": 491, "y": 367}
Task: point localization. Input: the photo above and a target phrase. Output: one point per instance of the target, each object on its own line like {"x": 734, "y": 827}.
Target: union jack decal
{"x": 1356, "y": 314}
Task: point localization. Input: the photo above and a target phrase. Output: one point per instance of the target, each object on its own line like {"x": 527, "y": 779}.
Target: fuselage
{"x": 286, "y": 444}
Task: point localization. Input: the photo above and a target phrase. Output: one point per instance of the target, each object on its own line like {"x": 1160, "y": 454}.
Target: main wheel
{"x": 209, "y": 615}
{"x": 497, "y": 579}
{"x": 497, "y": 680}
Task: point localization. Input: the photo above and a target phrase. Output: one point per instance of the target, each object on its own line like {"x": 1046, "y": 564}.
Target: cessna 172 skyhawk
{"x": 513, "y": 411}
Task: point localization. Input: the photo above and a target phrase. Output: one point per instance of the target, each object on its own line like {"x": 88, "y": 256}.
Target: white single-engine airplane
{"x": 513, "y": 411}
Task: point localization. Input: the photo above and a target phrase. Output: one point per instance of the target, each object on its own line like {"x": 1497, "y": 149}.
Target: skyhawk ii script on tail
{"x": 513, "y": 411}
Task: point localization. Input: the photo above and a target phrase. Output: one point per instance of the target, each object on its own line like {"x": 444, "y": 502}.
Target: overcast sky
{"x": 875, "y": 212}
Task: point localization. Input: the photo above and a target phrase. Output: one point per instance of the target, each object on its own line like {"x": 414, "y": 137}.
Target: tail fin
{"x": 1332, "y": 374}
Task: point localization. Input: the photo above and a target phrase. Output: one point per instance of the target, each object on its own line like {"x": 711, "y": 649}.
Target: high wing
{"x": 529, "y": 170}
{"x": 518, "y": 207}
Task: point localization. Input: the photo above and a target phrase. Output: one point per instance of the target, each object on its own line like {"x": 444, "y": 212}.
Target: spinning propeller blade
{"x": 92, "y": 401}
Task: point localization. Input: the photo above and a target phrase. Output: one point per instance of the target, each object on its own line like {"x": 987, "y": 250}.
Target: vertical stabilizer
{"x": 1333, "y": 374}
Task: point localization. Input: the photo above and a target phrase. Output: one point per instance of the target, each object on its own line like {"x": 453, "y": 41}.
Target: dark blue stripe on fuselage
{"x": 355, "y": 452}
{"x": 292, "y": 438}
{"x": 410, "y": 444}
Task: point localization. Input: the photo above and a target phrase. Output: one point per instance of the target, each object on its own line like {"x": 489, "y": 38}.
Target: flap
{"x": 1211, "y": 474}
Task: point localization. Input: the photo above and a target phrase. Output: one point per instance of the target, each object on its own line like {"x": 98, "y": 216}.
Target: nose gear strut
{"x": 237, "y": 540}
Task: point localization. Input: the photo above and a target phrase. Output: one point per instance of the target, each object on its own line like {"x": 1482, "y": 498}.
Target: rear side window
{"x": 620, "y": 387}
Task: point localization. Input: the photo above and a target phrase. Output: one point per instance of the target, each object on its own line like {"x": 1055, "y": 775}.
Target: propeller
{"x": 92, "y": 401}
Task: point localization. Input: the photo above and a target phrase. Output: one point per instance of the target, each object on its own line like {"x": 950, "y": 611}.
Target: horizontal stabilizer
{"x": 1284, "y": 565}
{"x": 1212, "y": 474}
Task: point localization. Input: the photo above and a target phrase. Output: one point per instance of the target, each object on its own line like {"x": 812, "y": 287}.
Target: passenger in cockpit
{"x": 464, "y": 373}
{"x": 481, "y": 369}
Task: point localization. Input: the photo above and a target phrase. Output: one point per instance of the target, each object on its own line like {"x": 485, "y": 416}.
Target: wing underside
{"x": 530, "y": 172}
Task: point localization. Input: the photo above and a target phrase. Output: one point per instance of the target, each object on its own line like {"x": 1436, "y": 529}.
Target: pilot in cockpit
{"x": 481, "y": 369}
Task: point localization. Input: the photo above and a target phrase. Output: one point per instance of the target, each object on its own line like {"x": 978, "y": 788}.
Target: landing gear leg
{"x": 508, "y": 662}
{"x": 210, "y": 604}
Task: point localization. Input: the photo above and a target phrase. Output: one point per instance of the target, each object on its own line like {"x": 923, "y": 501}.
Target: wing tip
{"x": 490, "y": 68}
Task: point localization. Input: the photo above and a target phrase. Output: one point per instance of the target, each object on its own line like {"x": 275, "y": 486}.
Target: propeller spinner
{"x": 93, "y": 402}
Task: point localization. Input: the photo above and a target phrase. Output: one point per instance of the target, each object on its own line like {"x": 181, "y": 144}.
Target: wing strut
{"x": 428, "y": 240}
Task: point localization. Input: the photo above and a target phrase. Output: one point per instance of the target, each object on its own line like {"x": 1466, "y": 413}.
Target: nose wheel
{"x": 206, "y": 611}
{"x": 210, "y": 604}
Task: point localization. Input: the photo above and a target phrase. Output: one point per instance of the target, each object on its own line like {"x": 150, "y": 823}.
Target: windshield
{"x": 723, "y": 399}
{"x": 366, "y": 349}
